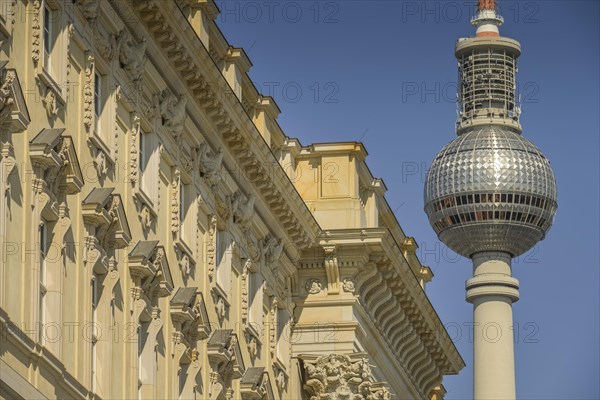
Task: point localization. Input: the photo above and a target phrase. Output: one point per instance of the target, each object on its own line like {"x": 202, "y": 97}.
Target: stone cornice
{"x": 355, "y": 148}
{"x": 392, "y": 296}
{"x": 189, "y": 57}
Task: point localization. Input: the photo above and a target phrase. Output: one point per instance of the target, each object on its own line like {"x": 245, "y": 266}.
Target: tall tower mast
{"x": 490, "y": 195}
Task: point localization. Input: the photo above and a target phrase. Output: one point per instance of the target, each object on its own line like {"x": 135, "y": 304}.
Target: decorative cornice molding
{"x": 274, "y": 185}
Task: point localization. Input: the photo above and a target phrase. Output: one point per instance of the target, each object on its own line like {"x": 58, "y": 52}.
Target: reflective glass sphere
{"x": 490, "y": 190}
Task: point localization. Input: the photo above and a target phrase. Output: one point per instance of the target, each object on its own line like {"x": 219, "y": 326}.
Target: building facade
{"x": 162, "y": 238}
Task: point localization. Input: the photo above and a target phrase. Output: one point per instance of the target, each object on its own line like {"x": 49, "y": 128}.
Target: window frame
{"x": 43, "y": 290}
{"x": 256, "y": 284}
{"x": 282, "y": 356}
{"x": 95, "y": 300}
{"x": 224, "y": 262}
{"x": 48, "y": 41}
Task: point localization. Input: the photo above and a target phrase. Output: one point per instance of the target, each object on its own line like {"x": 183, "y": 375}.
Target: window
{"x": 255, "y": 300}
{"x": 283, "y": 336}
{"x": 223, "y": 261}
{"x": 94, "y": 300}
{"x": 48, "y": 39}
{"x": 43, "y": 250}
{"x": 149, "y": 159}
{"x": 183, "y": 209}
{"x": 98, "y": 100}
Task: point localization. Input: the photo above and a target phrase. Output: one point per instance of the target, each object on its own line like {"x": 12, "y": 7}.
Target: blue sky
{"x": 384, "y": 72}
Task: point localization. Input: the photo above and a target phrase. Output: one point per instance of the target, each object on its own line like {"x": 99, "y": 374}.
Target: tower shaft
{"x": 492, "y": 290}
{"x": 490, "y": 195}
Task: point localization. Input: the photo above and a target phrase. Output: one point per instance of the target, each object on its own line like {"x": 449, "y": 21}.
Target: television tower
{"x": 490, "y": 195}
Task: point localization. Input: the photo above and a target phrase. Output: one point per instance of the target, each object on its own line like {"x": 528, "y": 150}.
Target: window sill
{"x": 250, "y": 330}
{"x": 97, "y": 141}
{"x": 280, "y": 366}
{"x": 143, "y": 198}
{"x": 219, "y": 291}
{"x": 184, "y": 248}
{"x": 45, "y": 77}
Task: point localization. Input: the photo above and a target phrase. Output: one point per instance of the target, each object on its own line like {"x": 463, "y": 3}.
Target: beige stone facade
{"x": 162, "y": 238}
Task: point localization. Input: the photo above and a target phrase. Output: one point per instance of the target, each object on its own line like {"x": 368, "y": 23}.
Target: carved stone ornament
{"x": 313, "y": 286}
{"x": 89, "y": 9}
{"x": 255, "y": 385}
{"x": 6, "y": 99}
{"x": 88, "y": 94}
{"x": 151, "y": 275}
{"x": 252, "y": 344}
{"x": 223, "y": 206}
{"x": 36, "y": 29}
{"x": 134, "y": 149}
{"x": 132, "y": 56}
{"x": 190, "y": 320}
{"x": 50, "y": 103}
{"x": 146, "y": 217}
{"x": 331, "y": 269}
{"x": 184, "y": 264}
{"x": 211, "y": 248}
{"x": 226, "y": 363}
{"x": 341, "y": 377}
{"x": 210, "y": 164}
{"x": 280, "y": 379}
{"x": 175, "y": 187}
{"x": 243, "y": 211}
{"x": 100, "y": 163}
{"x": 173, "y": 113}
{"x": 107, "y": 48}
{"x": 272, "y": 249}
{"x": 348, "y": 285}
{"x": 106, "y": 228}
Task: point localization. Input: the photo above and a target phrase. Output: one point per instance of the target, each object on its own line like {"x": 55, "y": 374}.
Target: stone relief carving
{"x": 221, "y": 308}
{"x": 6, "y": 99}
{"x": 107, "y": 48}
{"x": 36, "y": 33}
{"x": 173, "y": 113}
{"x": 50, "y": 103}
{"x": 132, "y": 56}
{"x": 184, "y": 264}
{"x": 348, "y": 285}
{"x": 210, "y": 164}
{"x": 252, "y": 344}
{"x": 151, "y": 277}
{"x": 175, "y": 183}
{"x": 313, "y": 286}
{"x": 101, "y": 238}
{"x": 272, "y": 249}
{"x": 190, "y": 320}
{"x": 332, "y": 270}
{"x": 337, "y": 377}
{"x": 211, "y": 248}
{"x": 223, "y": 205}
{"x": 89, "y": 9}
{"x": 100, "y": 164}
{"x": 245, "y": 302}
{"x": 243, "y": 211}
{"x": 273, "y": 327}
{"x": 134, "y": 149}
{"x": 280, "y": 379}
{"x": 146, "y": 217}
{"x": 88, "y": 94}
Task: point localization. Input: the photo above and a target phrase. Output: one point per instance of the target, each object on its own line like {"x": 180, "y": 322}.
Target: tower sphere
{"x": 490, "y": 190}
